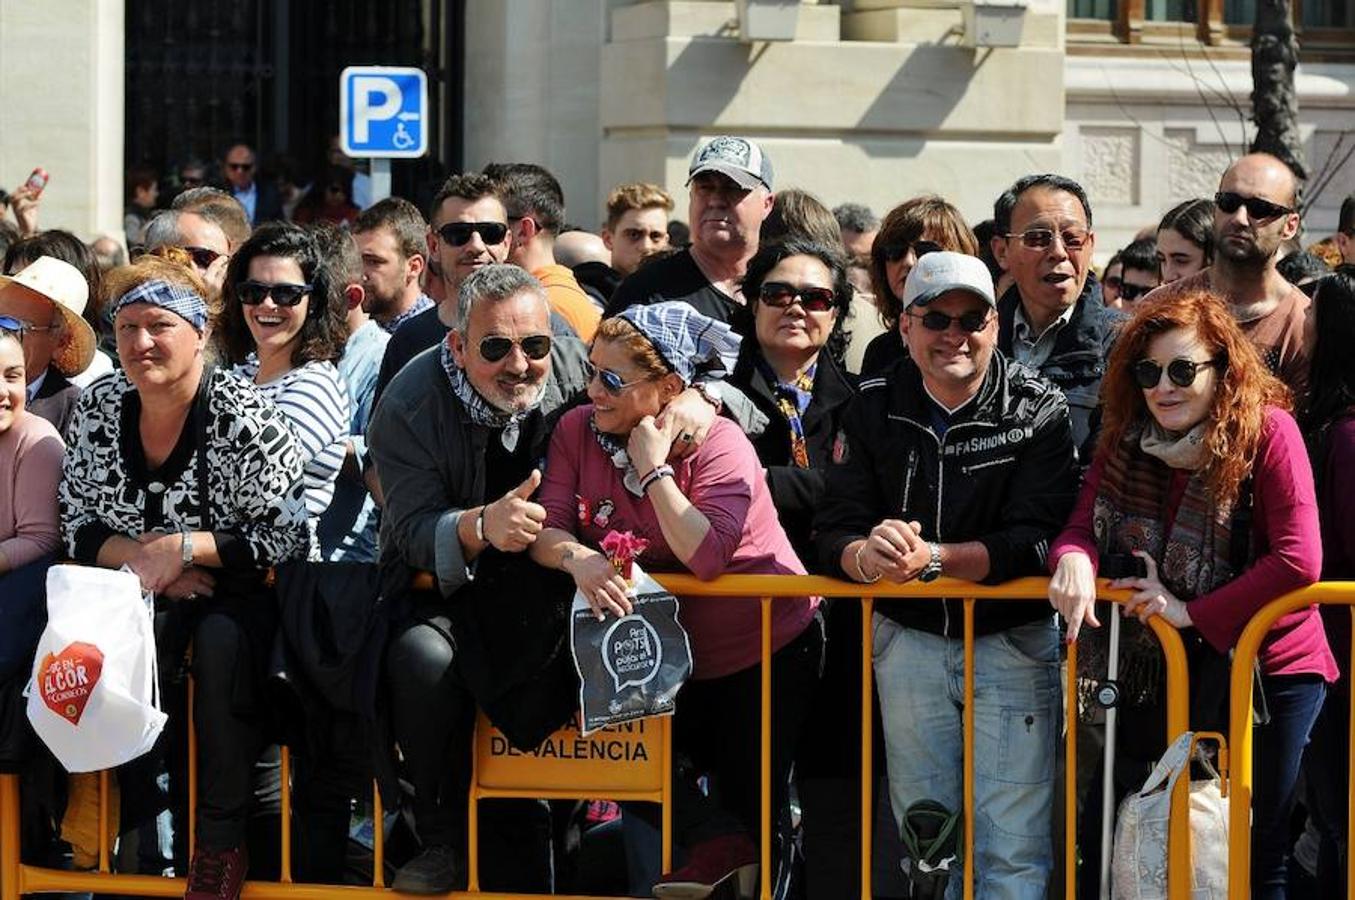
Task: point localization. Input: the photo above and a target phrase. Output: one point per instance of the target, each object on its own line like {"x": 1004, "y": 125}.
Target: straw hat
{"x": 61, "y": 283}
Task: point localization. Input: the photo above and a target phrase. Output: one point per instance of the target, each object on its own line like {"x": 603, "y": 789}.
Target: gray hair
{"x": 163, "y": 230}
{"x": 855, "y": 217}
{"x": 493, "y": 283}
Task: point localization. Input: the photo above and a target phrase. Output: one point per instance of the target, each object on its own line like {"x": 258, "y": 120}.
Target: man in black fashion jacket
{"x": 959, "y": 463}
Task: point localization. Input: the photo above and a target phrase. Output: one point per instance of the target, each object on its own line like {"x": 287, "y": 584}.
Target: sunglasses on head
{"x": 14, "y": 327}
{"x": 1181, "y": 371}
{"x": 458, "y": 234}
{"x": 938, "y": 321}
{"x": 534, "y": 347}
{"x": 1130, "y": 291}
{"x": 781, "y": 295}
{"x": 1043, "y": 238}
{"x": 202, "y": 256}
{"x": 1231, "y": 201}
{"x": 612, "y": 383}
{"x": 252, "y": 293}
{"x": 895, "y": 252}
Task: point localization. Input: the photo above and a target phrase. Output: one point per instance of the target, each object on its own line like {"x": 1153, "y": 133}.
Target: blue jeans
{"x": 1294, "y": 702}
{"x": 1016, "y": 727}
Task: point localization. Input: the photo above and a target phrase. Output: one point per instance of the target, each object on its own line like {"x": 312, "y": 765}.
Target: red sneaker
{"x": 730, "y": 859}
{"x": 217, "y": 874}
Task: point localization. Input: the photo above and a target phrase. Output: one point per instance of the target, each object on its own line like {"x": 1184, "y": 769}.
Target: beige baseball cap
{"x": 61, "y": 283}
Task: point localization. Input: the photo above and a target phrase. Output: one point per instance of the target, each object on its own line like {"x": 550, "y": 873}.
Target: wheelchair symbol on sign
{"x": 402, "y": 139}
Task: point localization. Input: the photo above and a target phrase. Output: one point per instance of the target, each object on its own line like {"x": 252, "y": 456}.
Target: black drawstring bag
{"x": 931, "y": 838}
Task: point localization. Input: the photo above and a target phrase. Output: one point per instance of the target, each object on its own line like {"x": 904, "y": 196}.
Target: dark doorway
{"x": 202, "y": 74}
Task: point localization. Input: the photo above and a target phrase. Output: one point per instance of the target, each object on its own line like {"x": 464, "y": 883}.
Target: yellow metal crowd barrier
{"x": 1333, "y": 593}
{"x": 503, "y": 774}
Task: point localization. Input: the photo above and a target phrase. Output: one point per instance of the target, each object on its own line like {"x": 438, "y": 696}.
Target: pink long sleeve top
{"x": 583, "y": 494}
{"x": 30, "y": 470}
{"x": 1287, "y": 547}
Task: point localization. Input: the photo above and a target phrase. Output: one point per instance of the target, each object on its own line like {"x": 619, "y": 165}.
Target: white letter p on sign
{"x": 375, "y": 99}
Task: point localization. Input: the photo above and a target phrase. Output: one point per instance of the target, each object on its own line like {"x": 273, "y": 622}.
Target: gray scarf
{"x": 1180, "y": 451}
{"x": 480, "y": 409}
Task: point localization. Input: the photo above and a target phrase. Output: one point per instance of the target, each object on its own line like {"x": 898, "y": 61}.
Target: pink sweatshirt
{"x": 1287, "y": 555}
{"x": 724, "y": 480}
{"x": 30, "y": 470}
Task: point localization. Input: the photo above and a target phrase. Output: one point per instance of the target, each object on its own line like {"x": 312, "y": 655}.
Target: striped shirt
{"x": 314, "y": 401}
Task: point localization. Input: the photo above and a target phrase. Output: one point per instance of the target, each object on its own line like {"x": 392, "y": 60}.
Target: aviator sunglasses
{"x": 534, "y": 347}
{"x": 252, "y": 293}
{"x": 1231, "y": 201}
{"x": 781, "y": 295}
{"x": 612, "y": 383}
{"x": 1181, "y": 371}
{"x": 1043, "y": 238}
{"x": 458, "y": 234}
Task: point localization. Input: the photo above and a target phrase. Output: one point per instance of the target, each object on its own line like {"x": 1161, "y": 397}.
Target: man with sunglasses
{"x": 1345, "y": 230}
{"x": 261, "y": 199}
{"x": 1139, "y": 272}
{"x": 1053, "y": 318}
{"x": 199, "y": 237}
{"x": 1255, "y": 213}
{"x": 956, "y": 462}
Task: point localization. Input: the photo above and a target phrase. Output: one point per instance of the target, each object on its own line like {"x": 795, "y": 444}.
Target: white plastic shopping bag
{"x": 93, "y": 698}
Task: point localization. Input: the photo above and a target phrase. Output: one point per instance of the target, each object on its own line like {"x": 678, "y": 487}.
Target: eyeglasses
{"x": 1043, "y": 238}
{"x": 896, "y": 251}
{"x": 13, "y": 327}
{"x": 534, "y": 347}
{"x": 1130, "y": 291}
{"x": 239, "y": 167}
{"x": 781, "y": 295}
{"x": 938, "y": 321}
{"x": 458, "y": 234}
{"x": 252, "y": 293}
{"x": 1181, "y": 371}
{"x": 1230, "y": 201}
{"x": 13, "y": 323}
{"x": 611, "y": 382}
{"x": 202, "y": 256}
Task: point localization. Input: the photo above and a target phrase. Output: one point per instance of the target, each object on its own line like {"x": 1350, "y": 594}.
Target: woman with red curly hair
{"x": 1201, "y": 473}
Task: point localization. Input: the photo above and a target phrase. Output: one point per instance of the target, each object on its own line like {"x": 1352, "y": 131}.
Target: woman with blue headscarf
{"x": 189, "y": 477}
{"x": 710, "y": 514}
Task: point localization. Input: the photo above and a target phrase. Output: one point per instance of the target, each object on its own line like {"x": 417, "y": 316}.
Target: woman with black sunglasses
{"x": 1201, "y": 474}
{"x": 914, "y": 227}
{"x": 283, "y": 330}
{"x": 710, "y": 514}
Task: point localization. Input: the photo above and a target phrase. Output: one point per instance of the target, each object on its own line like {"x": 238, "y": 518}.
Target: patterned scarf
{"x": 793, "y": 398}
{"x": 616, "y": 452}
{"x": 480, "y": 409}
{"x": 1194, "y": 557}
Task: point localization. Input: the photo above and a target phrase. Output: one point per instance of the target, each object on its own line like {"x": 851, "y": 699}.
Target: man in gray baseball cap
{"x": 959, "y": 463}
{"x": 730, "y": 194}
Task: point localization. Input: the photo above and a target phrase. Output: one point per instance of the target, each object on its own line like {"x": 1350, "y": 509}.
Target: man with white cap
{"x": 730, "y": 182}
{"x": 960, "y": 463}
{"x": 48, "y": 297}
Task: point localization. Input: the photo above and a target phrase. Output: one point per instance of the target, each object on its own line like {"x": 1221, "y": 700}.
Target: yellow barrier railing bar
{"x": 1335, "y": 593}
{"x": 16, "y": 878}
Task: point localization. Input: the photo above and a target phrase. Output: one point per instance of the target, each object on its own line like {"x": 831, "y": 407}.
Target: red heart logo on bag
{"x": 68, "y": 678}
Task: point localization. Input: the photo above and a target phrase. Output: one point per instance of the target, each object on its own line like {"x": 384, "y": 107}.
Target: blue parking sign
{"x": 383, "y": 111}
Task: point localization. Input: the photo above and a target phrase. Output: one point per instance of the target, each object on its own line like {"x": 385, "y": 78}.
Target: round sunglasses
{"x": 1181, "y": 371}
{"x": 252, "y": 293}
{"x": 781, "y": 294}
{"x": 534, "y": 347}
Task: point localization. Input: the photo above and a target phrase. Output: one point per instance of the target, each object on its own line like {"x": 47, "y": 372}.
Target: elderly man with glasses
{"x": 1053, "y": 318}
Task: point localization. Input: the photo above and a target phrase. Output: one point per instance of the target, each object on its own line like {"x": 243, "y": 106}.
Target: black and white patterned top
{"x": 254, "y": 491}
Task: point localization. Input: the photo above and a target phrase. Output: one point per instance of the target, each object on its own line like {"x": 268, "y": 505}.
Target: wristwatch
{"x": 186, "y": 548}
{"x": 932, "y": 570}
